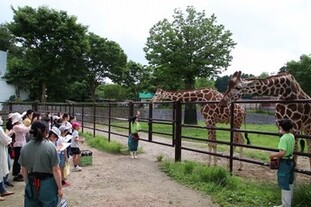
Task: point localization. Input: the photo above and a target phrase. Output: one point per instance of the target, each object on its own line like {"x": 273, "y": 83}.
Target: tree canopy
{"x": 301, "y": 70}
{"x": 52, "y": 43}
{"x": 190, "y": 46}
{"x": 104, "y": 59}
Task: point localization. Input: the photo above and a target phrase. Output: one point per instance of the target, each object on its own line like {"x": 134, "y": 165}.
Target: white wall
{"x": 6, "y": 90}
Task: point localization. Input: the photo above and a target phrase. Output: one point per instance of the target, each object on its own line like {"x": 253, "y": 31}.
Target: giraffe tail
{"x": 302, "y": 145}
{"x": 248, "y": 141}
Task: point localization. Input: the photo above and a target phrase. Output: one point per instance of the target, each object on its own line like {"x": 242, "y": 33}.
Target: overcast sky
{"x": 268, "y": 33}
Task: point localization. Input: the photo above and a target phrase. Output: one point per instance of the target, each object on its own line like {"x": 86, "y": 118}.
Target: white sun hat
{"x": 16, "y": 117}
{"x": 56, "y": 131}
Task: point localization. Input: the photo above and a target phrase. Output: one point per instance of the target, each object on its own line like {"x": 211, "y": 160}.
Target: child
{"x": 75, "y": 150}
{"x": 287, "y": 166}
{"x": 133, "y": 143}
{"x": 63, "y": 156}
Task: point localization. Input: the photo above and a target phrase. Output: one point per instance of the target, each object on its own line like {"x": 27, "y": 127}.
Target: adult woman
{"x": 287, "y": 165}
{"x": 4, "y": 168}
{"x": 20, "y": 131}
{"x": 42, "y": 176}
{"x": 132, "y": 141}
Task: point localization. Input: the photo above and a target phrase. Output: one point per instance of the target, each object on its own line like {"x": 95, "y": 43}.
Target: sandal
{"x": 7, "y": 193}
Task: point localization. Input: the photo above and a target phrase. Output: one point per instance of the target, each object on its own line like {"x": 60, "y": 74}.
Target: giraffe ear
{"x": 239, "y": 75}
{"x": 236, "y": 76}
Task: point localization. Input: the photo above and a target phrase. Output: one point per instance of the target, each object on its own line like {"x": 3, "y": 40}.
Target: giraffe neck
{"x": 285, "y": 87}
{"x": 192, "y": 95}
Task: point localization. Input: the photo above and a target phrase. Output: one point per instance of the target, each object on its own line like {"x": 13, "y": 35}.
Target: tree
{"x": 113, "y": 92}
{"x": 104, "y": 59}
{"x": 6, "y": 39}
{"x": 189, "y": 47}
{"x": 136, "y": 78}
{"x": 221, "y": 83}
{"x": 204, "y": 83}
{"x": 53, "y": 45}
{"x": 301, "y": 70}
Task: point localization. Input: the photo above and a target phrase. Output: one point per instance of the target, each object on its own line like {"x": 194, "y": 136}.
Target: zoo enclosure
{"x": 102, "y": 117}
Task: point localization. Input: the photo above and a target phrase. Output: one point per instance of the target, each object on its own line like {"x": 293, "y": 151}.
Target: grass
{"x": 231, "y": 191}
{"x": 256, "y": 139}
{"x": 226, "y": 190}
{"x": 101, "y": 143}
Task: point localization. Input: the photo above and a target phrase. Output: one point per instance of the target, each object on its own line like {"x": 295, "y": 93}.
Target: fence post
{"x": 10, "y": 107}
{"x": 178, "y": 132}
{"x": 150, "y": 122}
{"x": 131, "y": 112}
{"x": 231, "y": 137}
{"x": 35, "y": 106}
{"x": 109, "y": 121}
{"x": 174, "y": 124}
{"x": 94, "y": 119}
{"x": 82, "y": 118}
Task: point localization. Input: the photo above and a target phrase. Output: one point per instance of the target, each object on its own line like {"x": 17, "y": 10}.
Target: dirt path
{"x": 118, "y": 180}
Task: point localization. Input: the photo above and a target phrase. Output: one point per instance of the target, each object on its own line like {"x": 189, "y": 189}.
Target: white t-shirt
{"x": 75, "y": 134}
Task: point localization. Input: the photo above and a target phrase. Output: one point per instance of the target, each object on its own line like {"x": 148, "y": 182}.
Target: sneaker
{"x": 76, "y": 169}
{"x": 6, "y": 193}
{"x": 2, "y": 199}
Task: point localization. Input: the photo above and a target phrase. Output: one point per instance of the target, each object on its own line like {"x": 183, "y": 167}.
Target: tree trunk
{"x": 43, "y": 91}
{"x": 190, "y": 116}
{"x": 93, "y": 88}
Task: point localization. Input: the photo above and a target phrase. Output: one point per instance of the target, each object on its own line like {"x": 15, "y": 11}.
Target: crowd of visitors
{"x": 40, "y": 147}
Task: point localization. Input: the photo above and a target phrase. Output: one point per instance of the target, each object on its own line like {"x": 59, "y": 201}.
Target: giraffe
{"x": 282, "y": 85}
{"x": 212, "y": 114}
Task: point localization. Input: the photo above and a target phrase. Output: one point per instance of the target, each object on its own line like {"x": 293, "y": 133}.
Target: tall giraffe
{"x": 285, "y": 87}
{"x": 212, "y": 113}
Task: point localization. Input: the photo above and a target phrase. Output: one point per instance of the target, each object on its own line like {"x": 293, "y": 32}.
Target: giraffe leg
{"x": 215, "y": 157}
{"x": 309, "y": 150}
{"x": 240, "y": 156}
{"x": 211, "y": 145}
{"x": 209, "y": 157}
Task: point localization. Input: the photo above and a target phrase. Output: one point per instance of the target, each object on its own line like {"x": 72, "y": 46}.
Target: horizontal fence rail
{"x": 113, "y": 118}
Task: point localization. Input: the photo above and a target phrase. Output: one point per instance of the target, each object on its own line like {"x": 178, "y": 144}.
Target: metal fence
{"x": 102, "y": 117}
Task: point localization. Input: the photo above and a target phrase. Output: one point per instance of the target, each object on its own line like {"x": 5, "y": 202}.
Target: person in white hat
{"x": 63, "y": 156}
{"x": 20, "y": 131}
{"x": 4, "y": 168}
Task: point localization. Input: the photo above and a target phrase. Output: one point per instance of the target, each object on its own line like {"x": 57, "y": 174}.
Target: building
{"x": 6, "y": 90}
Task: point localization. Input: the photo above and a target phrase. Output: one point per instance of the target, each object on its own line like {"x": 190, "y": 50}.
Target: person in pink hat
{"x": 75, "y": 150}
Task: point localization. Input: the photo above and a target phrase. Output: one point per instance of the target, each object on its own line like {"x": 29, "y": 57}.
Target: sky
{"x": 268, "y": 33}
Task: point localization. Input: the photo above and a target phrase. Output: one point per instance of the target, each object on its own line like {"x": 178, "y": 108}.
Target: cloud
{"x": 267, "y": 33}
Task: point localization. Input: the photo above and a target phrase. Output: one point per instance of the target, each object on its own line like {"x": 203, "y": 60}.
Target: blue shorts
{"x": 62, "y": 159}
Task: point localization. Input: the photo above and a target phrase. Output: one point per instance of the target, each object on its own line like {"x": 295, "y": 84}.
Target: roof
{"x": 145, "y": 95}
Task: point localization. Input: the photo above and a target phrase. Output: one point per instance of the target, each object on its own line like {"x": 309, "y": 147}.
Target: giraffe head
{"x": 158, "y": 96}
{"x": 236, "y": 89}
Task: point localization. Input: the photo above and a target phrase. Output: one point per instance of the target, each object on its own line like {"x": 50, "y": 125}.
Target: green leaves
{"x": 189, "y": 47}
